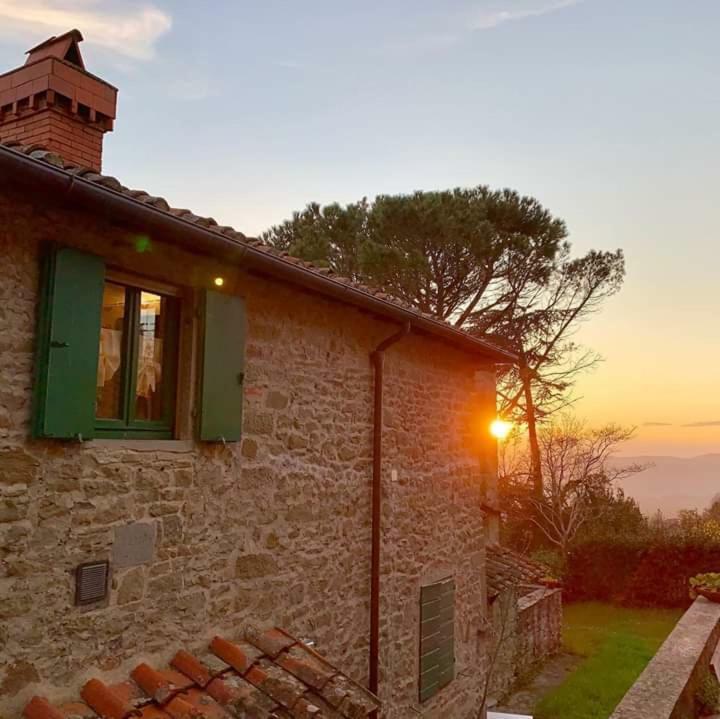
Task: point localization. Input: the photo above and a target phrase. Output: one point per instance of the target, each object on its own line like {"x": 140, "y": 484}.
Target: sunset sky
{"x": 607, "y": 111}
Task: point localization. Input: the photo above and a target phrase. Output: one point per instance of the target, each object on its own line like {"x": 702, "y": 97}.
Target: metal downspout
{"x": 377, "y": 358}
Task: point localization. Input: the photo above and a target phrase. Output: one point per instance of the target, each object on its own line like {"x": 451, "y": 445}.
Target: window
{"x": 108, "y": 354}
{"x": 137, "y": 363}
{"x": 437, "y": 637}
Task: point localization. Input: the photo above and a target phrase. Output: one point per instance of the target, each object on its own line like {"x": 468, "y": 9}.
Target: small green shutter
{"x": 68, "y": 339}
{"x": 437, "y": 637}
{"x": 223, "y": 368}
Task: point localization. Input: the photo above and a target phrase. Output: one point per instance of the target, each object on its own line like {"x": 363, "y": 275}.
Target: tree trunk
{"x": 535, "y": 464}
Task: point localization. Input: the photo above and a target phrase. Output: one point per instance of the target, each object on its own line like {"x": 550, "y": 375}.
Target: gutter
{"x": 377, "y": 358}
{"x": 19, "y": 169}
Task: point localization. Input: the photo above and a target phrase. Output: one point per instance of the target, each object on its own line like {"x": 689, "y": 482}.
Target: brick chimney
{"x": 54, "y": 102}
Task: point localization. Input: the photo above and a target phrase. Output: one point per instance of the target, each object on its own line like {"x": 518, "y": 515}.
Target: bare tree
{"x": 539, "y": 325}
{"x": 576, "y": 472}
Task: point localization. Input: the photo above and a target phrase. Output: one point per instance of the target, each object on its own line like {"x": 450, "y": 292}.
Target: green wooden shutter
{"x": 223, "y": 368}
{"x": 437, "y": 637}
{"x": 68, "y": 340}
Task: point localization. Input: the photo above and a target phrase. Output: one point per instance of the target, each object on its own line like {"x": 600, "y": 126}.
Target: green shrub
{"x": 639, "y": 572}
{"x": 707, "y": 696}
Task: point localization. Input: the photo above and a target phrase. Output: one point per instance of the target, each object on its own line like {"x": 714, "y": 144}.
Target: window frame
{"x": 128, "y": 427}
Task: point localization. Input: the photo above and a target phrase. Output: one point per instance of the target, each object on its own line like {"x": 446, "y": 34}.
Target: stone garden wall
{"x": 272, "y": 530}
{"x": 666, "y": 688}
{"x": 531, "y": 629}
{"x": 539, "y": 627}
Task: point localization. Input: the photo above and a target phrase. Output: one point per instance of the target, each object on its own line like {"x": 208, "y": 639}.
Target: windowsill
{"x": 143, "y": 445}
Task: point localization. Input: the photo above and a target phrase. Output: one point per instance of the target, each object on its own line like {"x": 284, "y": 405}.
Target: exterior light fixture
{"x": 500, "y": 429}
{"x": 219, "y": 281}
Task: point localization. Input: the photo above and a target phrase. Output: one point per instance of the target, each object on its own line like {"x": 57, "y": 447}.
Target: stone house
{"x": 200, "y": 436}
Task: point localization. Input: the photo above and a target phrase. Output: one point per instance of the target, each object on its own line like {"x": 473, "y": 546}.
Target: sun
{"x": 500, "y": 429}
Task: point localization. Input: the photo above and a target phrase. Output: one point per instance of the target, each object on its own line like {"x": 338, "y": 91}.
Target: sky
{"x": 607, "y": 111}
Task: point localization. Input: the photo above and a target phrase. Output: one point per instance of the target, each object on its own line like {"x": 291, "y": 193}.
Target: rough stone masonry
{"x": 205, "y": 538}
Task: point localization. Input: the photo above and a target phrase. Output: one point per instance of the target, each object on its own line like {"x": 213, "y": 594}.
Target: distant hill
{"x": 673, "y": 483}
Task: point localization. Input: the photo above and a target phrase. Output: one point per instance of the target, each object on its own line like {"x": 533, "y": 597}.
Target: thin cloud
{"x": 131, "y": 31}
{"x": 712, "y": 423}
{"x": 454, "y": 29}
{"x": 657, "y": 424}
{"x": 421, "y": 44}
{"x": 488, "y": 18}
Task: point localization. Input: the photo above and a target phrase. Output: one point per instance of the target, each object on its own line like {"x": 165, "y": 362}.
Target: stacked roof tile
{"x": 270, "y": 675}
{"x": 507, "y": 569}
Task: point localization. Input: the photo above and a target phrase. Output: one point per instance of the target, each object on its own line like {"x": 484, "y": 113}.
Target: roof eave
{"x": 215, "y": 241}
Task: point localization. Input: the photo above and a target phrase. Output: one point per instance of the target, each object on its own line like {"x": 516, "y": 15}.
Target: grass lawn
{"x": 617, "y": 643}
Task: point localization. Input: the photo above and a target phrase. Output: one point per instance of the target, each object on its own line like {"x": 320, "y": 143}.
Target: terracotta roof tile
{"x": 77, "y": 710}
{"x": 348, "y": 698}
{"x": 326, "y": 709}
{"x": 179, "y": 708}
{"x": 192, "y": 668}
{"x": 212, "y": 661}
{"x": 238, "y": 696}
{"x": 272, "y": 642}
{"x": 107, "y": 703}
{"x": 159, "y": 687}
{"x": 304, "y": 664}
{"x": 508, "y": 569}
{"x": 152, "y": 712}
{"x": 305, "y": 709}
{"x": 130, "y": 692}
{"x": 270, "y": 675}
{"x": 283, "y": 687}
{"x": 41, "y": 153}
{"x": 240, "y": 656}
{"x": 40, "y": 708}
{"x": 195, "y": 704}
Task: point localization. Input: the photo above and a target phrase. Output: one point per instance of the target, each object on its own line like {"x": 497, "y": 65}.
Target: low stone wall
{"x": 666, "y": 689}
{"x": 539, "y": 627}
{"x": 532, "y": 632}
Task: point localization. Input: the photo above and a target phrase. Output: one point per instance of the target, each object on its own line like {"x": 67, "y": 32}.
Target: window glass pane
{"x": 151, "y": 371}
{"x": 108, "y": 398}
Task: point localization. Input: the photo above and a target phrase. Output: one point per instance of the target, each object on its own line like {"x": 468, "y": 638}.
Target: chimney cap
{"x": 63, "y": 46}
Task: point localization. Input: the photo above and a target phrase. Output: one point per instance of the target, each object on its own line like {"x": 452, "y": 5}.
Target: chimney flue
{"x": 54, "y": 102}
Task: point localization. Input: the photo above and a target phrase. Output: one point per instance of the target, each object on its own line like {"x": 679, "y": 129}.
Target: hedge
{"x": 638, "y": 572}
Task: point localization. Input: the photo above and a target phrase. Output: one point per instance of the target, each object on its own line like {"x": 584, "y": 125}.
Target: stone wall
{"x": 501, "y": 642}
{"x": 531, "y": 627}
{"x": 666, "y": 688}
{"x": 275, "y": 529}
{"x": 539, "y": 627}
